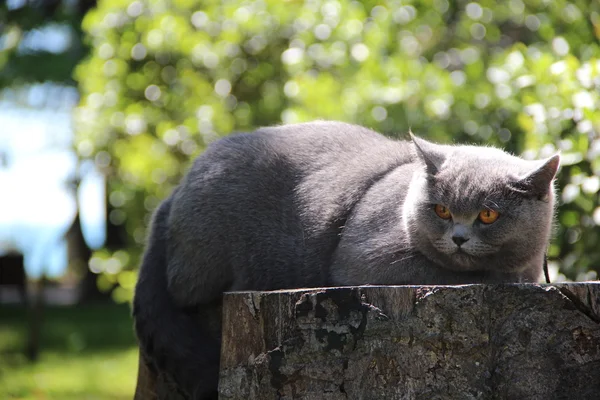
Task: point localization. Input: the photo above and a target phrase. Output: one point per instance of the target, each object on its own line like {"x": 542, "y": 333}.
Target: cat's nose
{"x": 459, "y": 239}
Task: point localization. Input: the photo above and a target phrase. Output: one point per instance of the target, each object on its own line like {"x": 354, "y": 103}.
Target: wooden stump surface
{"x": 520, "y": 341}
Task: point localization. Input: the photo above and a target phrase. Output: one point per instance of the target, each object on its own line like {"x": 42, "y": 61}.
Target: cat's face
{"x": 477, "y": 208}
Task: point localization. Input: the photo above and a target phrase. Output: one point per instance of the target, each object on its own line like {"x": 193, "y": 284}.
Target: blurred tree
{"x": 167, "y": 77}
{"x": 42, "y": 43}
{"x": 26, "y": 59}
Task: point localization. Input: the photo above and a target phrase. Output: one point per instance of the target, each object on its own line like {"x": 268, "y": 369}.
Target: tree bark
{"x": 155, "y": 385}
{"x": 36, "y": 320}
{"x": 519, "y": 341}
{"x": 79, "y": 254}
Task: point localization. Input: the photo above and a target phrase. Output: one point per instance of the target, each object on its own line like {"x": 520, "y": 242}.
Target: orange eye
{"x": 488, "y": 216}
{"x": 442, "y": 211}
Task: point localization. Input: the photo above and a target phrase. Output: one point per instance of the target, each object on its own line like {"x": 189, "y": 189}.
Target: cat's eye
{"x": 488, "y": 216}
{"x": 442, "y": 211}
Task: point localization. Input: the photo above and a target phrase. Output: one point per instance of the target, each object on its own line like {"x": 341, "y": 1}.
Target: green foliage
{"x": 22, "y": 27}
{"x": 86, "y": 352}
{"x": 168, "y": 77}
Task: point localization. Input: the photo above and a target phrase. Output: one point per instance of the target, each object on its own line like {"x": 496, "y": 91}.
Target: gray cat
{"x": 328, "y": 204}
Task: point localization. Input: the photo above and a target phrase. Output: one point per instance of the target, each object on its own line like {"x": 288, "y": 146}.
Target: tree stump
{"x": 155, "y": 385}
{"x": 520, "y": 341}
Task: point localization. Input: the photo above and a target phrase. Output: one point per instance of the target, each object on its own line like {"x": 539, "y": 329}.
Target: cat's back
{"x": 321, "y": 166}
{"x": 307, "y": 146}
{"x": 317, "y": 163}
{"x": 276, "y": 197}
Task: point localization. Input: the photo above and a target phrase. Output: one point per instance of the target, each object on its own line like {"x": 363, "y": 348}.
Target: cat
{"x": 329, "y": 204}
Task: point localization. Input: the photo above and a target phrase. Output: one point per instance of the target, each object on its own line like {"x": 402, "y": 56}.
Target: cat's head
{"x": 479, "y": 208}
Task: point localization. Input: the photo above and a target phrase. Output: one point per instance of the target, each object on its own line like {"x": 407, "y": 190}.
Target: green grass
{"x": 87, "y": 352}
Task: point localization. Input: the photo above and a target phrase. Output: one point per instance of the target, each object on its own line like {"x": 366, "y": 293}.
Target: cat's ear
{"x": 539, "y": 181}
{"x": 430, "y": 153}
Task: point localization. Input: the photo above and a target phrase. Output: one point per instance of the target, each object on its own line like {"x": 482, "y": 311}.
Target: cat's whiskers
{"x": 403, "y": 259}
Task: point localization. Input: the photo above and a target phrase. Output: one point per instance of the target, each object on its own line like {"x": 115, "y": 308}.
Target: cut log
{"x": 519, "y": 341}
{"x": 155, "y": 385}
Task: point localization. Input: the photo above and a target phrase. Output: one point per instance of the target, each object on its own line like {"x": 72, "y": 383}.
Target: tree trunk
{"x": 518, "y": 341}
{"x": 154, "y": 385}
{"x": 445, "y": 342}
{"x": 79, "y": 254}
{"x": 146, "y": 382}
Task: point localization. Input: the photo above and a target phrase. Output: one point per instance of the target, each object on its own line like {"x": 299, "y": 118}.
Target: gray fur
{"x": 327, "y": 204}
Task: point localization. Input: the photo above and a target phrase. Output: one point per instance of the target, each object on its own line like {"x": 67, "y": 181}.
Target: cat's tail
{"x": 174, "y": 340}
